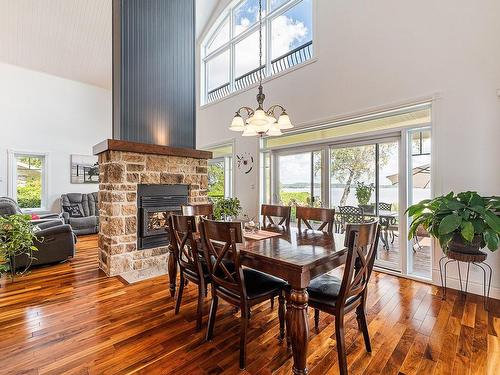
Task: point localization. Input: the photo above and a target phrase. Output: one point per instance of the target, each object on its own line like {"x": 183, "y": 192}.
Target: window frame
{"x": 12, "y": 177}
{"x": 268, "y": 18}
{"x": 229, "y": 165}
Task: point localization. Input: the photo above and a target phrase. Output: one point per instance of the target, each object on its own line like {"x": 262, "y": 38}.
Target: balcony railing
{"x": 279, "y": 64}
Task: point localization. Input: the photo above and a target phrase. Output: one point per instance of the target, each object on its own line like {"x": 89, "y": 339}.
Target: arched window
{"x": 230, "y": 52}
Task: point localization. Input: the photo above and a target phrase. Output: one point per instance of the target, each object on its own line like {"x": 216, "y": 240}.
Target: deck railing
{"x": 294, "y": 57}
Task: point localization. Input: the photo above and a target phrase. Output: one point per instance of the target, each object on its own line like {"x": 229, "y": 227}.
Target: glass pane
{"x": 277, "y": 3}
{"x": 228, "y": 176}
{"x": 29, "y": 172}
{"x": 317, "y": 170}
{"x": 221, "y": 37}
{"x": 352, "y": 177}
{"x": 419, "y": 188}
{"x": 247, "y": 14}
{"x": 247, "y": 59}
{"x": 389, "y": 254}
{"x": 218, "y": 71}
{"x": 382, "y": 121}
{"x": 216, "y": 179}
{"x": 291, "y": 30}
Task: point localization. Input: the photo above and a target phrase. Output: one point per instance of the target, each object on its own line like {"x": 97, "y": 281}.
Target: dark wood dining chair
{"x": 269, "y": 211}
{"x": 350, "y": 214}
{"x": 324, "y": 215}
{"x": 191, "y": 260}
{"x": 339, "y": 297}
{"x": 202, "y": 209}
{"x": 241, "y": 287}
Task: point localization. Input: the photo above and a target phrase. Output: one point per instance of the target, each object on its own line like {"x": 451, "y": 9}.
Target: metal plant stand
{"x": 477, "y": 259}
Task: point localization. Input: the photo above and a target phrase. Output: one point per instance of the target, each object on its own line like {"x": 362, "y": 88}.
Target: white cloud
{"x": 286, "y": 32}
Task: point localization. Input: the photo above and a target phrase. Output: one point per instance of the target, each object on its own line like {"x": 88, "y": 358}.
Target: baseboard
{"x": 474, "y": 286}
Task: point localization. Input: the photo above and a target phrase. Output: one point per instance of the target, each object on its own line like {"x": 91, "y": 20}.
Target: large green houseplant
{"x": 17, "y": 236}
{"x": 227, "y": 208}
{"x": 465, "y": 222}
{"x": 363, "y": 195}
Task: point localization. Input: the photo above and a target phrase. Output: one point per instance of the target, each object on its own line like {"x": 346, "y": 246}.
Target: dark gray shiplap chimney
{"x": 154, "y": 71}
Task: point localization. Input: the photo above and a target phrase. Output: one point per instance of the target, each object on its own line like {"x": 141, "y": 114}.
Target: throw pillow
{"x": 73, "y": 210}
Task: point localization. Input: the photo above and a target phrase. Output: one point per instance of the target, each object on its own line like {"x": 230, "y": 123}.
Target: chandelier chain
{"x": 260, "y": 42}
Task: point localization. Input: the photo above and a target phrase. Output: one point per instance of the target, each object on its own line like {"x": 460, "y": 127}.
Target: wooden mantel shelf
{"x": 145, "y": 148}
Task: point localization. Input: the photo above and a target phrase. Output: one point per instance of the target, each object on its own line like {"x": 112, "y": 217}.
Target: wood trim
{"x": 145, "y": 148}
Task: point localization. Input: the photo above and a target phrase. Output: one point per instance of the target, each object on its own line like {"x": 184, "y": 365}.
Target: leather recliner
{"x": 81, "y": 212}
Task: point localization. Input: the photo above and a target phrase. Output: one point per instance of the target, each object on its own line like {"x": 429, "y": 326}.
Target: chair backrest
{"x": 385, "y": 206}
{"x": 361, "y": 241}
{"x": 221, "y": 239}
{"x": 269, "y": 211}
{"x": 182, "y": 229}
{"x": 205, "y": 209}
{"x": 325, "y": 215}
{"x": 351, "y": 214}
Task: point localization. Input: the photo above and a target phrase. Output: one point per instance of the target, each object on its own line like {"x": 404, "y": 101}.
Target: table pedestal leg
{"x": 299, "y": 329}
{"x": 172, "y": 269}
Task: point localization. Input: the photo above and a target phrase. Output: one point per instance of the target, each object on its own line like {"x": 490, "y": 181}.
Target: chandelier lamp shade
{"x": 260, "y": 122}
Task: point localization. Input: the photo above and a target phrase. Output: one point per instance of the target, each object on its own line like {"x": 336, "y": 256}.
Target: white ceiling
{"x": 66, "y": 38}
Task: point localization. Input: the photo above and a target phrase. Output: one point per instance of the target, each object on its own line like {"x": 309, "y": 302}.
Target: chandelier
{"x": 260, "y": 122}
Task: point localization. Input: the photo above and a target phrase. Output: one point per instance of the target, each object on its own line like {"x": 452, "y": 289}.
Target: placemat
{"x": 261, "y": 234}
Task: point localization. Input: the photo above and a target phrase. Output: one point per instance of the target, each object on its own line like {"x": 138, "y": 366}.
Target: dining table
{"x": 296, "y": 257}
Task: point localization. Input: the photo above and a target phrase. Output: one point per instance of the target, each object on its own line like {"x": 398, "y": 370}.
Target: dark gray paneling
{"x": 154, "y": 71}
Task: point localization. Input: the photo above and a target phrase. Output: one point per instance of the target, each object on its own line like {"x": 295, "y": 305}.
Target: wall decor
{"x": 245, "y": 162}
{"x": 84, "y": 169}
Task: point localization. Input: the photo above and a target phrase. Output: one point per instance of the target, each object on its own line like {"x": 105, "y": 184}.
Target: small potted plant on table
{"x": 463, "y": 223}
{"x": 17, "y": 236}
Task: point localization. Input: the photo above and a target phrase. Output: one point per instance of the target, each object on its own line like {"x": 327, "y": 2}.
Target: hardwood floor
{"x": 70, "y": 318}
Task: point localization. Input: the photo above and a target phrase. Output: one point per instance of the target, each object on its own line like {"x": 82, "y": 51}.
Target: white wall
{"x": 47, "y": 114}
{"x": 375, "y": 54}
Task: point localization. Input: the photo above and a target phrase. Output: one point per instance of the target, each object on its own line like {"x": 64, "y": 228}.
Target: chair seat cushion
{"x": 84, "y": 222}
{"x": 324, "y": 289}
{"x": 260, "y": 284}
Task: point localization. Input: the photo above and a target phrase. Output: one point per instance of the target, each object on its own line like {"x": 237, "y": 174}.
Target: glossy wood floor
{"x": 70, "y": 318}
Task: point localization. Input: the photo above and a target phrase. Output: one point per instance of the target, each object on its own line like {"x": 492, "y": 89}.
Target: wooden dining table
{"x": 296, "y": 257}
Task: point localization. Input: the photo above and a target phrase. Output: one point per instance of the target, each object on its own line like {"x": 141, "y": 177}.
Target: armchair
{"x": 81, "y": 211}
{"x": 9, "y": 206}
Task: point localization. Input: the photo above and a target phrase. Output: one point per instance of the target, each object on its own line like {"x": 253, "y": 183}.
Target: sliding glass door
{"x": 361, "y": 189}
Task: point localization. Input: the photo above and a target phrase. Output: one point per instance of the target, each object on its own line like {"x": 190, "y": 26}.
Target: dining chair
{"x": 203, "y": 209}
{"x": 350, "y": 214}
{"x": 392, "y": 227}
{"x": 241, "y": 287}
{"x": 340, "y": 296}
{"x": 324, "y": 215}
{"x": 192, "y": 264}
{"x": 269, "y": 211}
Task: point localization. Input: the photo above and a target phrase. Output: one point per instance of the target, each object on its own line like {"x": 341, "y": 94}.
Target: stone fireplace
{"x": 139, "y": 185}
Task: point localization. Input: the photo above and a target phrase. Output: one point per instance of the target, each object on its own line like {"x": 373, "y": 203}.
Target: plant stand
{"x": 477, "y": 259}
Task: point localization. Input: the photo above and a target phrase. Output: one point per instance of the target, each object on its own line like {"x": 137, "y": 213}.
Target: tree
{"x": 216, "y": 180}
{"x": 349, "y": 164}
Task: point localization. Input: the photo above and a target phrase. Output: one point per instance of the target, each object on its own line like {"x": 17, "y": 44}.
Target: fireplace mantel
{"x": 145, "y": 148}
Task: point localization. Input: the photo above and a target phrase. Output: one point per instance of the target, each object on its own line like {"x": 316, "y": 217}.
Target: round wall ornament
{"x": 245, "y": 162}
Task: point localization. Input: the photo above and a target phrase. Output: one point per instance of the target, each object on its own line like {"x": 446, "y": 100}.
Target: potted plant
{"x": 363, "y": 194}
{"x": 227, "y": 208}
{"x": 465, "y": 222}
{"x": 17, "y": 235}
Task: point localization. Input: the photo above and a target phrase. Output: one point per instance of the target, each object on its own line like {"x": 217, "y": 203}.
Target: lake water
{"x": 386, "y": 194}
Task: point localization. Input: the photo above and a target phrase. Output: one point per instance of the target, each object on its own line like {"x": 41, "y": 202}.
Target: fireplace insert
{"x": 155, "y": 203}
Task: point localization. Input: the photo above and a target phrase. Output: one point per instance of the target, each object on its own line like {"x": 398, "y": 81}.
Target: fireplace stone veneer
{"x": 121, "y": 172}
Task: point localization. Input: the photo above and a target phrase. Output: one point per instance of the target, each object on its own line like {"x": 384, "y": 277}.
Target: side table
{"x": 477, "y": 259}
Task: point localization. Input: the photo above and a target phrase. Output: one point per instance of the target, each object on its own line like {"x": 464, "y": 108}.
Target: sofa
{"x": 81, "y": 212}
{"x": 55, "y": 244}
{"x": 9, "y": 206}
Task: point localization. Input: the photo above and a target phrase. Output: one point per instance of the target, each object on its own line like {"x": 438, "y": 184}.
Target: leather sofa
{"x": 9, "y": 206}
{"x": 81, "y": 211}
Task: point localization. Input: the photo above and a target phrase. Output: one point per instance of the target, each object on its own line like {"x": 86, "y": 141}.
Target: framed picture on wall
{"x": 84, "y": 169}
